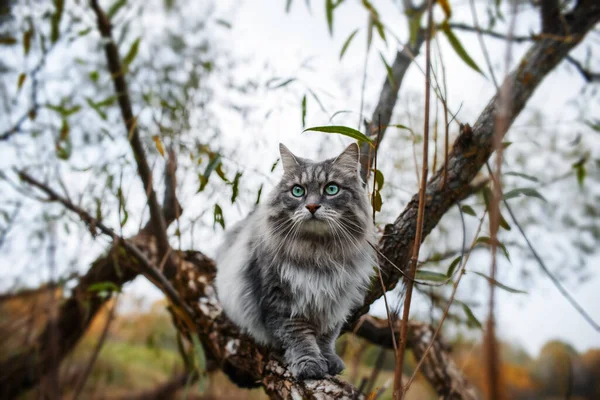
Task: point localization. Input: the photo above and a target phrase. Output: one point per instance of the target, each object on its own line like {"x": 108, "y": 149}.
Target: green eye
{"x": 332, "y": 189}
{"x": 298, "y": 191}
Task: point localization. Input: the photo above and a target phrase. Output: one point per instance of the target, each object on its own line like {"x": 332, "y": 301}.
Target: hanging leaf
{"x": 158, "y": 144}
{"x": 27, "y": 41}
{"x": 131, "y": 54}
{"x": 500, "y": 285}
{"x": 446, "y": 7}
{"x": 453, "y": 266}
{"x": 212, "y": 165}
{"x": 342, "y": 130}
{"x": 235, "y": 187}
{"x": 595, "y": 125}
{"x": 122, "y": 206}
{"x": 63, "y": 144}
{"x": 218, "y": 216}
{"x": 379, "y": 180}
{"x": 424, "y": 275}
{"x": 223, "y": 23}
{"x": 390, "y": 73}
{"x": 274, "y": 165}
{"x": 8, "y": 40}
{"x": 377, "y": 201}
{"x": 258, "y": 194}
{"x": 530, "y": 192}
{"x": 288, "y": 6}
{"x": 347, "y": 43}
{"x": 458, "y": 47}
{"x": 468, "y": 210}
{"x": 504, "y": 224}
{"x": 521, "y": 175}
{"x": 21, "y": 81}
{"x": 314, "y": 95}
{"x": 580, "y": 171}
{"x": 488, "y": 241}
{"x": 329, "y": 6}
{"x": 472, "y": 321}
{"x": 55, "y": 20}
{"x": 280, "y": 85}
{"x": 221, "y": 174}
{"x": 303, "y": 111}
{"x": 117, "y": 5}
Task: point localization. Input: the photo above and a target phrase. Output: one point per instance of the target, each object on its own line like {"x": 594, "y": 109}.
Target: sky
{"x": 297, "y": 45}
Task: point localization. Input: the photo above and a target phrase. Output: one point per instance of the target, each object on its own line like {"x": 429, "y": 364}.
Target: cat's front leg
{"x": 326, "y": 343}
{"x": 297, "y": 338}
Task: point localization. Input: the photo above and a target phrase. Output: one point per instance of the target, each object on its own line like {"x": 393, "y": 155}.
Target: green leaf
{"x": 488, "y": 241}
{"x": 347, "y": 43}
{"x": 219, "y": 171}
{"x": 288, "y": 6}
{"x": 468, "y": 210}
{"x": 521, "y": 175}
{"x": 8, "y": 40}
{"x": 304, "y": 111}
{"x": 458, "y": 48}
{"x": 472, "y": 321}
{"x": 259, "y": 194}
{"x": 500, "y": 285}
{"x": 504, "y": 224}
{"x": 117, "y": 5}
{"x": 446, "y": 7}
{"x": 212, "y": 165}
{"x": 280, "y": 85}
{"x": 27, "y": 41}
{"x": 595, "y": 125}
{"x": 223, "y": 23}
{"x": 235, "y": 187}
{"x": 314, "y": 95}
{"x": 580, "y": 171}
{"x": 122, "y": 206}
{"x": 400, "y": 126}
{"x": 103, "y": 287}
{"x": 342, "y": 130}
{"x": 424, "y": 275}
{"x": 530, "y": 192}
{"x": 21, "y": 81}
{"x": 132, "y": 53}
{"x": 274, "y": 165}
{"x": 96, "y": 108}
{"x": 377, "y": 201}
{"x": 329, "y": 6}
{"x": 64, "y": 112}
{"x": 55, "y": 20}
{"x": 453, "y": 266}
{"x": 94, "y": 75}
{"x": 379, "y": 180}
{"x": 390, "y": 73}
{"x": 218, "y": 216}
{"x": 64, "y": 146}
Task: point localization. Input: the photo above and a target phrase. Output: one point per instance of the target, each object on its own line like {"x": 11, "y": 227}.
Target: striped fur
{"x": 290, "y": 278}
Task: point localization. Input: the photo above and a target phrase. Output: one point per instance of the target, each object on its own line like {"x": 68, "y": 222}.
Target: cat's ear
{"x": 288, "y": 160}
{"x": 349, "y": 159}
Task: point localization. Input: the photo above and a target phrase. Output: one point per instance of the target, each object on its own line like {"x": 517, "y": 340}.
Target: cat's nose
{"x": 313, "y": 207}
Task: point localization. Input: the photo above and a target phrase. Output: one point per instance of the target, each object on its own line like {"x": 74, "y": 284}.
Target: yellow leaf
{"x": 446, "y": 7}
{"x": 21, "y": 81}
{"x": 159, "y": 145}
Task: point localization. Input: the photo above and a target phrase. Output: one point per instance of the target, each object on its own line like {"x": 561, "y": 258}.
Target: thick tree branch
{"x": 474, "y": 146}
{"x": 550, "y": 15}
{"x": 115, "y": 67}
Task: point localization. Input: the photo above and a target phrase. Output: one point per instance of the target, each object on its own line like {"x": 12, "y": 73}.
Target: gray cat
{"x": 292, "y": 271}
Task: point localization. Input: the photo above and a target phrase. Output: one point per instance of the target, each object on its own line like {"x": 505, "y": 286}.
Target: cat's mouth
{"x": 316, "y": 226}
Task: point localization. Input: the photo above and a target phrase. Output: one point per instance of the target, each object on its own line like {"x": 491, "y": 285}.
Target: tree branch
{"x": 490, "y": 33}
{"x": 588, "y": 75}
{"x": 115, "y": 67}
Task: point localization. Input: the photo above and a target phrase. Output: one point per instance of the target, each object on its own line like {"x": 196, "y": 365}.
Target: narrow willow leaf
{"x": 472, "y": 321}
{"x": 303, "y": 111}
{"x": 64, "y": 146}
{"x": 274, "y": 165}
{"x": 221, "y": 174}
{"x": 500, "y": 285}
{"x": 158, "y": 144}
{"x": 342, "y": 130}
{"x": 314, "y": 95}
{"x": 400, "y": 126}
{"x": 580, "y": 172}
{"x": 504, "y": 224}
{"x": 530, "y": 192}
{"x": 212, "y": 165}
{"x": 329, "y": 6}
{"x": 259, "y": 194}
{"x": 424, "y": 275}
{"x": 95, "y": 107}
{"x": 235, "y": 186}
{"x": 521, "y": 175}
{"x": 468, "y": 210}
{"x": 390, "y": 73}
{"x": 8, "y": 40}
{"x": 459, "y": 49}
{"x": 27, "y": 41}
{"x": 133, "y": 50}
{"x": 55, "y": 20}
{"x": 595, "y": 125}
{"x": 117, "y": 5}
{"x": 21, "y": 81}
{"x": 377, "y": 201}
{"x": 379, "y": 179}
{"x": 223, "y": 23}
{"x": 446, "y": 7}
{"x": 280, "y": 85}
{"x": 380, "y": 29}
{"x": 288, "y": 6}
{"x": 453, "y": 266}
{"x": 218, "y": 216}
{"x": 347, "y": 43}
{"x": 488, "y": 241}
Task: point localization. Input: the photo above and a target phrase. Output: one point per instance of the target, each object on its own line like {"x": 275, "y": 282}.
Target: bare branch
{"x": 490, "y": 33}
{"x": 588, "y": 75}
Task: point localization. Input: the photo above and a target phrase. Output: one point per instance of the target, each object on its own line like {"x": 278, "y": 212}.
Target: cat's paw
{"x": 309, "y": 368}
{"x": 335, "y": 365}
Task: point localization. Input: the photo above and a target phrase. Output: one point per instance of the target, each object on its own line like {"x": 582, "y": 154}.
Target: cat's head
{"x": 321, "y": 199}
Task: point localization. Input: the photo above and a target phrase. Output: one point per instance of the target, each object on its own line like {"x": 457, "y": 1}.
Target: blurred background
{"x": 220, "y": 84}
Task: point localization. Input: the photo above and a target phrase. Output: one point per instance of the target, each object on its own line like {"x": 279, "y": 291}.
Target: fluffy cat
{"x": 292, "y": 271}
